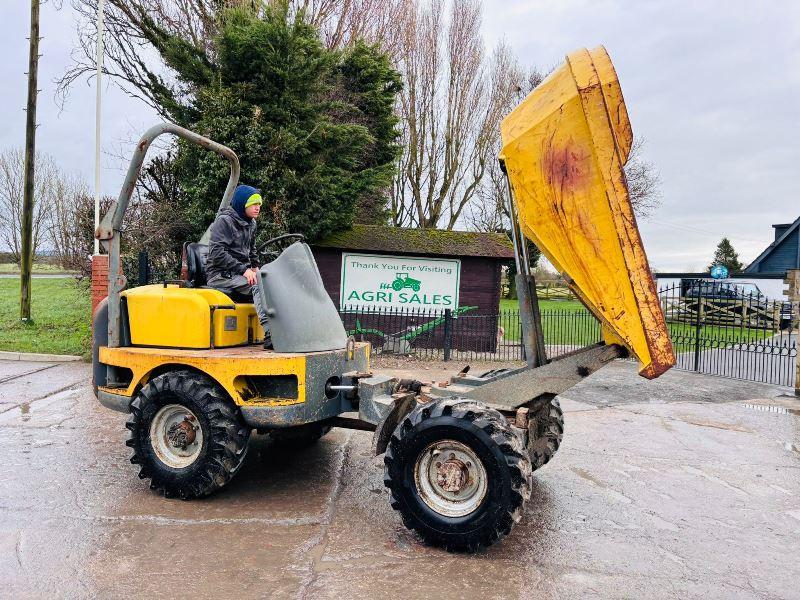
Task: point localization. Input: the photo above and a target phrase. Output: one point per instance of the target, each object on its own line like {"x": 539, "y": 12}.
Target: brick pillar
{"x": 99, "y": 279}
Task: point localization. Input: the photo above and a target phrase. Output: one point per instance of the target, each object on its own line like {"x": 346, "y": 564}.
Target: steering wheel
{"x": 262, "y": 249}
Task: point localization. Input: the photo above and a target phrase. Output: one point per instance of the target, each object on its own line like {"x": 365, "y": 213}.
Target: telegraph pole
{"x": 26, "y": 260}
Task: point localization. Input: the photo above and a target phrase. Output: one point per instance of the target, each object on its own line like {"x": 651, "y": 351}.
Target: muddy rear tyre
{"x": 546, "y": 434}
{"x": 444, "y": 438}
{"x": 186, "y": 435}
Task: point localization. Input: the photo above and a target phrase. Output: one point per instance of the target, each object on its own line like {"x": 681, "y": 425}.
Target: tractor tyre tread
{"x": 514, "y": 454}
{"x": 226, "y": 435}
{"x": 550, "y": 433}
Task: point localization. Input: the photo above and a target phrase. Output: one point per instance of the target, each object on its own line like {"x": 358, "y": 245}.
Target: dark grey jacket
{"x": 232, "y": 248}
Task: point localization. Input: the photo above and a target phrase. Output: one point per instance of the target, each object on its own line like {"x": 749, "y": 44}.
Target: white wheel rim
{"x": 176, "y": 436}
{"x": 450, "y": 478}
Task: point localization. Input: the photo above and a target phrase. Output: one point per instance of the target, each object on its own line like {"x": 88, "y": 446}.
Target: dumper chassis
{"x": 185, "y": 363}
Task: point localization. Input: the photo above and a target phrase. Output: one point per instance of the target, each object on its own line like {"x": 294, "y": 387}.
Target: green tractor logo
{"x": 402, "y": 281}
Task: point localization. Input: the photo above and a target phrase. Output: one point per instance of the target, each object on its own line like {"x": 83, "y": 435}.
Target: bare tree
{"x": 511, "y": 84}
{"x": 644, "y": 181}
{"x": 71, "y": 222}
{"x": 12, "y": 163}
{"x": 151, "y": 221}
{"x": 451, "y": 107}
{"x": 343, "y": 22}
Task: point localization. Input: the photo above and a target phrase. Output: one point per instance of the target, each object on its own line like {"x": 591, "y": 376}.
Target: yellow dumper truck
{"x": 185, "y": 361}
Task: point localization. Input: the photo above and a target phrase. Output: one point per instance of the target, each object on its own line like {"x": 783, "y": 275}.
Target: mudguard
{"x": 564, "y": 148}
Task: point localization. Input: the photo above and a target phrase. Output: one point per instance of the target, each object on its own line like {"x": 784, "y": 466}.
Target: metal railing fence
{"x": 717, "y": 328}
{"x": 466, "y": 334}
{"x": 714, "y": 330}
{"x": 721, "y": 328}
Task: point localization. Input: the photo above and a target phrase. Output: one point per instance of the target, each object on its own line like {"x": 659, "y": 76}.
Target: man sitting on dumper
{"x": 232, "y": 263}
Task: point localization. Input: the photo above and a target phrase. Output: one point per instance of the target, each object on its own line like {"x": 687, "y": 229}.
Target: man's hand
{"x": 250, "y": 275}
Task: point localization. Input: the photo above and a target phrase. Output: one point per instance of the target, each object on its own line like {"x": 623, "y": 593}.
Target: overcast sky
{"x": 714, "y": 88}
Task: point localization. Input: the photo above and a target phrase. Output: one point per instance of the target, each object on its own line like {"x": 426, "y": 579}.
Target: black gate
{"x": 726, "y": 329}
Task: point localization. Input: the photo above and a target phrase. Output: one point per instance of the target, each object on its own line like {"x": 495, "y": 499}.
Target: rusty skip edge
{"x": 662, "y": 356}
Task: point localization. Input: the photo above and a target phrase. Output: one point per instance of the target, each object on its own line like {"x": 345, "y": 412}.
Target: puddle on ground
{"x": 584, "y": 474}
{"x": 713, "y": 424}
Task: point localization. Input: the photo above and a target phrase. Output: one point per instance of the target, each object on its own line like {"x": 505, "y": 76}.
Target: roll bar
{"x": 110, "y": 228}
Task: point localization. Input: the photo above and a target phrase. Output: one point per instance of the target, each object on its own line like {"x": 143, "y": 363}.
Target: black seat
{"x": 196, "y": 254}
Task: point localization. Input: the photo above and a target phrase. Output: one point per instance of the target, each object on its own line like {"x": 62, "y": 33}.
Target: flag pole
{"x": 99, "y": 61}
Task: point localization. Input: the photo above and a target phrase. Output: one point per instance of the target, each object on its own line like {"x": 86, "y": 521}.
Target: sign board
{"x": 719, "y": 271}
{"x": 399, "y": 282}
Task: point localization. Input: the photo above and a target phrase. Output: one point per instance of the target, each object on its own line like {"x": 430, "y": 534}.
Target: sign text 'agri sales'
{"x": 373, "y": 281}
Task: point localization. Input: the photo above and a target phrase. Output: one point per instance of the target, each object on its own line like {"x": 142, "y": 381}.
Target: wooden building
{"x": 782, "y": 255}
{"x": 777, "y": 267}
{"x": 481, "y": 256}
{"x": 474, "y": 294}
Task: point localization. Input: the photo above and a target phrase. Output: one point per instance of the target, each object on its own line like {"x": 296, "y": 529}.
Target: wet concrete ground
{"x": 683, "y": 487}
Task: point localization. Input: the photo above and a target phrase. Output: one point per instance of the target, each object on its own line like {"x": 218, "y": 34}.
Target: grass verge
{"x": 553, "y": 305}
{"x": 567, "y": 322}
{"x": 13, "y": 268}
{"x": 60, "y": 311}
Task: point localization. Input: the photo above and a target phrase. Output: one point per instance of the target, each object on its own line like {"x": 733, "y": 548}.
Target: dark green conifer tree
{"x": 314, "y": 128}
{"x": 727, "y": 256}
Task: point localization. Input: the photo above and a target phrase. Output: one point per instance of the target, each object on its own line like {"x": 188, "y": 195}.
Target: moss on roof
{"x": 398, "y": 240}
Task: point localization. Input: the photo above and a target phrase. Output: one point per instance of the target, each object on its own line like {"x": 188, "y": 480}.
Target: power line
{"x": 703, "y": 231}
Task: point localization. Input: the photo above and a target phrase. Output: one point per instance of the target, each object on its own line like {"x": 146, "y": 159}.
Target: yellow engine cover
{"x": 564, "y": 148}
{"x": 176, "y": 317}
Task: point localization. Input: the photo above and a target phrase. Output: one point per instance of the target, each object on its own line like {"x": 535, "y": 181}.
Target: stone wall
{"x": 793, "y": 294}
{"x": 792, "y": 282}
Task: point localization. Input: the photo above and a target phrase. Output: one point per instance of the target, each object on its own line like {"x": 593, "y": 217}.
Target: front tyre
{"x": 458, "y": 474}
{"x": 186, "y": 435}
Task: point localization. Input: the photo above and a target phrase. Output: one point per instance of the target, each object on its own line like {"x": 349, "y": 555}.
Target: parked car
{"x": 701, "y": 288}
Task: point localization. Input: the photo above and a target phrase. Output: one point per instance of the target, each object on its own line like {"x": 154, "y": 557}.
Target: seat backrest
{"x": 196, "y": 254}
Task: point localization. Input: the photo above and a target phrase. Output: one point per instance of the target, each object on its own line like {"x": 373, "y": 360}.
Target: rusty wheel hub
{"x": 452, "y": 475}
{"x": 182, "y": 434}
{"x": 176, "y": 436}
{"x": 450, "y": 478}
